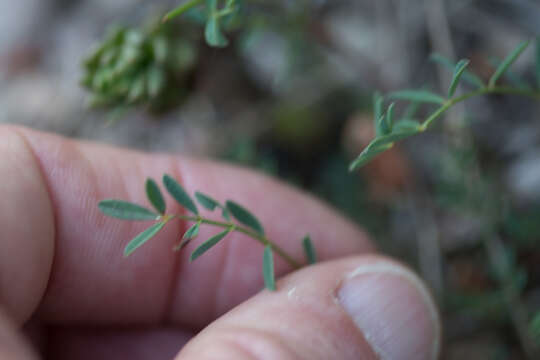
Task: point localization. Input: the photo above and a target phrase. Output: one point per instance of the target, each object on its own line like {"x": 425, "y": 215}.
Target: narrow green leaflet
{"x": 208, "y": 244}
{"x": 378, "y": 100}
{"x": 390, "y": 116}
{"x": 404, "y": 129}
{"x": 225, "y": 214}
{"x": 507, "y": 62}
{"x": 193, "y": 231}
{"x": 380, "y": 126}
{"x": 372, "y": 150}
{"x": 244, "y": 216}
{"x": 154, "y": 196}
{"x": 384, "y": 124}
{"x": 458, "y": 72}
{"x": 309, "y": 250}
{"x": 125, "y": 210}
{"x": 206, "y": 201}
{"x": 407, "y": 125}
{"x": 181, "y": 9}
{"x": 423, "y": 96}
{"x": 213, "y": 34}
{"x": 509, "y": 74}
{"x": 179, "y": 194}
{"x": 189, "y": 235}
{"x": 268, "y": 269}
{"x": 468, "y": 76}
{"x": 212, "y": 31}
{"x": 143, "y": 237}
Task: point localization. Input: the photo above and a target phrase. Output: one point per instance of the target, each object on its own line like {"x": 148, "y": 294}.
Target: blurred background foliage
{"x": 291, "y": 96}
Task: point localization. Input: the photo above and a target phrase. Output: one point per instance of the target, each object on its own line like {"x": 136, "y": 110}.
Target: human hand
{"x": 63, "y": 275}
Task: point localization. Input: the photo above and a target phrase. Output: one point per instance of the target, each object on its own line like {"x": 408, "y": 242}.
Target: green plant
{"x": 135, "y": 66}
{"x": 246, "y": 223}
{"x": 389, "y": 131}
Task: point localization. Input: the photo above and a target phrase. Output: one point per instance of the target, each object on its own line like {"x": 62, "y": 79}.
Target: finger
{"x": 355, "y": 308}
{"x": 11, "y": 345}
{"x": 140, "y": 344}
{"x": 90, "y": 281}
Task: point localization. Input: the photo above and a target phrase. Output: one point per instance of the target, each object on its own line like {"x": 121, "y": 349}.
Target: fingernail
{"x": 394, "y": 311}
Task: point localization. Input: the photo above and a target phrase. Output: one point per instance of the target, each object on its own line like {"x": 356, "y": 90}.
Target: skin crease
{"x": 64, "y": 273}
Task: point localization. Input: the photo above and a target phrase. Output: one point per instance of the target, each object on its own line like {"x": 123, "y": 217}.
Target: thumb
{"x": 366, "y": 307}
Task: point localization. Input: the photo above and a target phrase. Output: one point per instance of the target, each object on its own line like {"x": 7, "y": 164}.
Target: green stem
{"x": 188, "y": 5}
{"x": 260, "y": 238}
{"x": 502, "y": 90}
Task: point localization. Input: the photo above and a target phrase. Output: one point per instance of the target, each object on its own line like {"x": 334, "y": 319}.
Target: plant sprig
{"x": 245, "y": 223}
{"x": 389, "y": 132}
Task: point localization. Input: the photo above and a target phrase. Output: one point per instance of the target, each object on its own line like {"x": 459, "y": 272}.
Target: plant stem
{"x": 482, "y": 91}
{"x": 188, "y": 5}
{"x": 260, "y": 238}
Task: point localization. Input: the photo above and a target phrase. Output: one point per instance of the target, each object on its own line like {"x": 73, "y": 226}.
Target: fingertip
{"x": 365, "y": 307}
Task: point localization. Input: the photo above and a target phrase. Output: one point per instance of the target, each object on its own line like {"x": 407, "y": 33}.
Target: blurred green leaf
{"x": 390, "y": 117}
{"x": 207, "y": 245}
{"x": 154, "y": 195}
{"x": 143, "y": 237}
{"x": 189, "y": 235}
{"x": 422, "y": 96}
{"x": 212, "y": 31}
{"x": 179, "y": 194}
{"x": 213, "y": 34}
{"x": 386, "y": 142}
{"x": 507, "y": 62}
{"x": 268, "y": 269}
{"x": 225, "y": 214}
{"x": 458, "y": 72}
{"x": 309, "y": 250}
{"x": 125, "y": 210}
{"x": 206, "y": 201}
{"x": 244, "y": 216}
{"x": 181, "y": 9}
{"x": 193, "y": 231}
{"x": 378, "y": 100}
{"x": 407, "y": 125}
{"x": 509, "y": 74}
{"x": 372, "y": 150}
{"x": 468, "y": 76}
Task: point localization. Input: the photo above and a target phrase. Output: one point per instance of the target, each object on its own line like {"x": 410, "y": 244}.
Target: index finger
{"x": 72, "y": 269}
